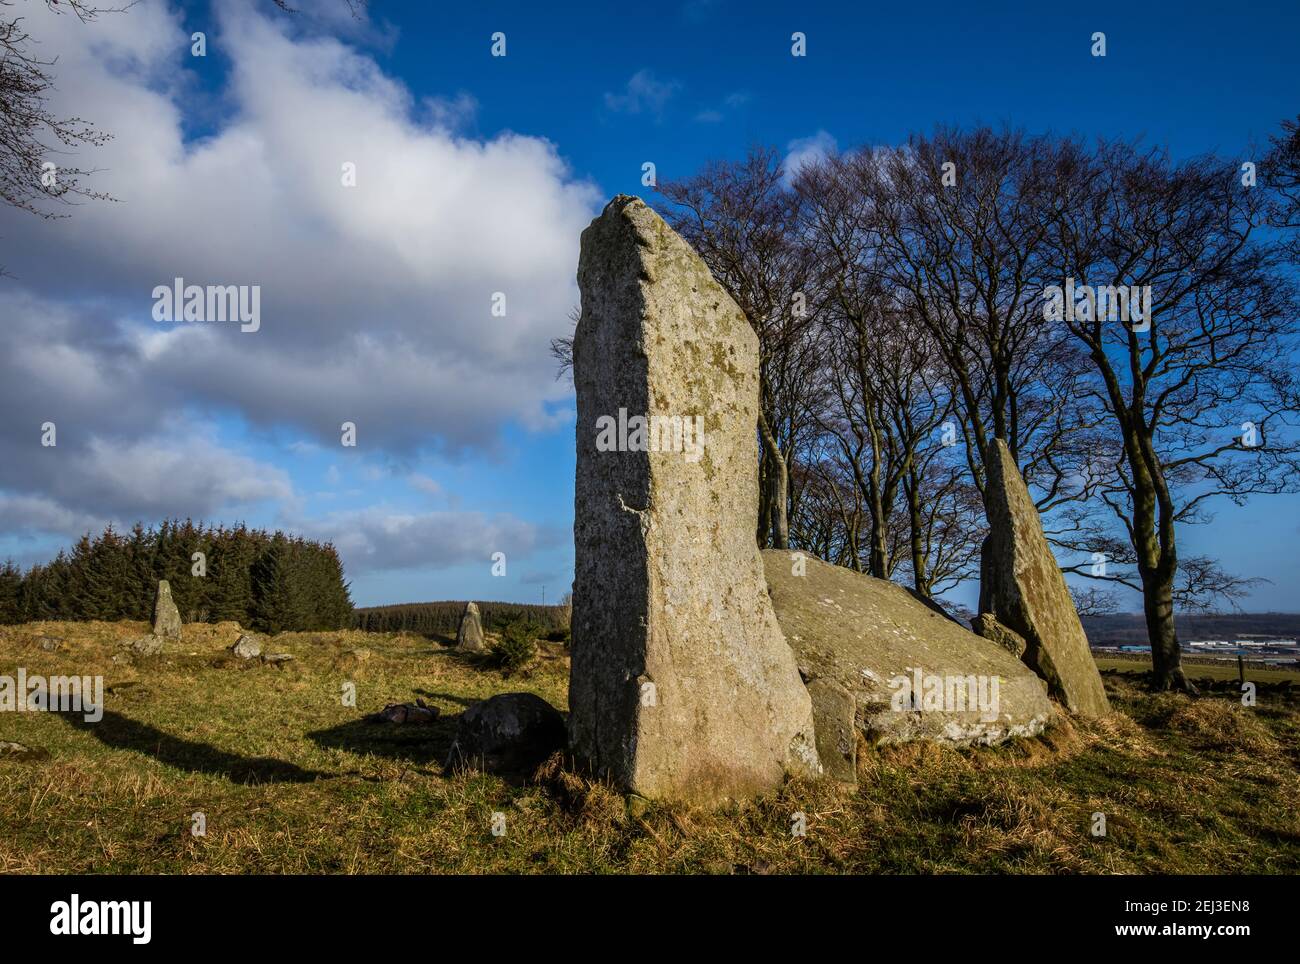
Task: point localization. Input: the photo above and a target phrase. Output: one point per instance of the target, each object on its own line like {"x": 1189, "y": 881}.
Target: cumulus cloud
{"x": 806, "y": 150}
{"x": 375, "y": 298}
{"x": 27, "y": 514}
{"x": 378, "y": 539}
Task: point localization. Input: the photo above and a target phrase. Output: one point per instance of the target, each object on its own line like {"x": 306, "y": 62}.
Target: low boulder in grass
{"x": 511, "y": 733}
{"x": 247, "y": 646}
{"x": 50, "y": 644}
{"x": 150, "y": 645}
{"x": 402, "y": 713}
{"x": 21, "y": 753}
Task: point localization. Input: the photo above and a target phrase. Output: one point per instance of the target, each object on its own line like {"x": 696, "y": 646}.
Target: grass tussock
{"x": 286, "y": 778}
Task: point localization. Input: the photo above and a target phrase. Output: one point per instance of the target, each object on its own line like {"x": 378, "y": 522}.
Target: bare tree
{"x": 34, "y": 140}
{"x": 1281, "y": 172}
{"x": 963, "y": 224}
{"x": 742, "y": 220}
{"x": 1197, "y": 388}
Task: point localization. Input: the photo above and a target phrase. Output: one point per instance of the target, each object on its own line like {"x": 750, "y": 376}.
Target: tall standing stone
{"x": 682, "y": 686}
{"x": 469, "y": 637}
{"x": 1022, "y": 587}
{"x": 166, "y": 617}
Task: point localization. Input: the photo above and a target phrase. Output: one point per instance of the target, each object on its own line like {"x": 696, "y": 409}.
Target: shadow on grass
{"x": 465, "y": 701}
{"x": 122, "y": 733}
{"x": 415, "y": 743}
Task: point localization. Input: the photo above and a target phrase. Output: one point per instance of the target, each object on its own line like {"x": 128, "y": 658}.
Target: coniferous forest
{"x": 443, "y": 618}
{"x": 267, "y": 581}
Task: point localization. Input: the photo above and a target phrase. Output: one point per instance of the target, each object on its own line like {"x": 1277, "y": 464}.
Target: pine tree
{"x": 142, "y": 587}
{"x": 272, "y": 602}
{"x": 11, "y": 581}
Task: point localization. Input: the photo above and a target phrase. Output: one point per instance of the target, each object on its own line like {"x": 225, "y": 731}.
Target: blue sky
{"x": 480, "y": 176}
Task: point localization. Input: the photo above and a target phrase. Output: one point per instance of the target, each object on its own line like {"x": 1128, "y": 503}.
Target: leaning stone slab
{"x": 682, "y": 686}
{"x": 166, "y": 617}
{"x": 1022, "y": 586}
{"x": 469, "y": 637}
{"x": 914, "y": 674}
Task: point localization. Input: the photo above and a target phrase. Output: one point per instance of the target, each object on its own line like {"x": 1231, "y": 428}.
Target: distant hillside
{"x": 1130, "y": 628}
{"x": 443, "y": 618}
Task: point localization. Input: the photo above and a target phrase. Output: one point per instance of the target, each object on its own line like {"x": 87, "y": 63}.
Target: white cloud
{"x": 643, "y": 93}
{"x": 29, "y": 515}
{"x": 806, "y": 150}
{"x": 375, "y": 299}
{"x": 424, "y": 484}
{"x": 380, "y": 539}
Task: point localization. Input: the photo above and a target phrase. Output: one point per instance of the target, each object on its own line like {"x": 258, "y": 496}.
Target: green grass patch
{"x": 289, "y": 780}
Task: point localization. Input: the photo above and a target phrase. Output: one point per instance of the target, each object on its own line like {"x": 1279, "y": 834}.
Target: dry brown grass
{"x": 290, "y": 781}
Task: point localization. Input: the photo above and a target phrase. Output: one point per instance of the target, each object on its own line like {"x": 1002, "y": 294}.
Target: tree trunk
{"x": 764, "y": 530}
{"x": 780, "y": 486}
{"x": 1166, "y": 657}
{"x": 920, "y": 578}
{"x": 1157, "y": 559}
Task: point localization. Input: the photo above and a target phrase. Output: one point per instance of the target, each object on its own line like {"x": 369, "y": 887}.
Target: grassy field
{"x": 1216, "y": 671}
{"x": 290, "y": 780}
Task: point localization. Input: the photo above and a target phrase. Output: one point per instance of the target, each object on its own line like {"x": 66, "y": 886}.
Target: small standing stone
{"x": 166, "y": 617}
{"x": 469, "y": 637}
{"x": 834, "y": 713}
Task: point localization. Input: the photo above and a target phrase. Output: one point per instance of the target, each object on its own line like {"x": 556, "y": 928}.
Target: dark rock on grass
{"x": 511, "y": 733}
{"x": 417, "y": 712}
{"x": 20, "y": 753}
